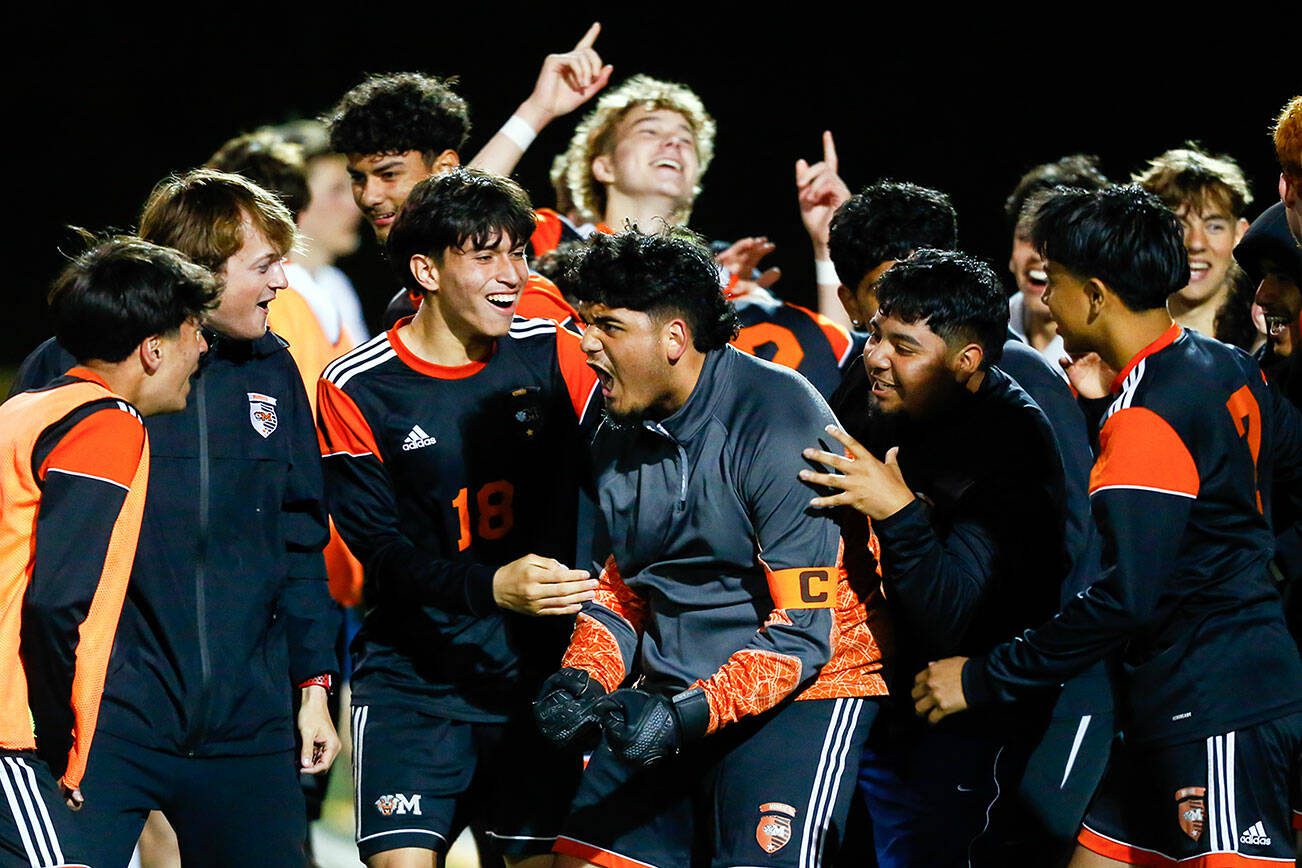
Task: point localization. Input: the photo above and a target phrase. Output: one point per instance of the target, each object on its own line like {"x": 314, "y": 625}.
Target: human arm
{"x": 1142, "y": 490}
{"x": 94, "y": 475}
{"x": 820, "y": 191}
{"x": 565, "y": 82}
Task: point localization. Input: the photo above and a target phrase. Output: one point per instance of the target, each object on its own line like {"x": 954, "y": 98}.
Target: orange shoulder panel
{"x": 580, "y": 380}
{"x": 342, "y": 428}
{"x": 1139, "y": 449}
{"x": 106, "y": 445}
{"x": 837, "y": 336}
{"x": 547, "y": 236}
{"x": 542, "y": 298}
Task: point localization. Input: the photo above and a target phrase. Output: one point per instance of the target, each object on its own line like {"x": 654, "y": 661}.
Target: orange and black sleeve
{"x": 93, "y": 467}
{"x": 1142, "y": 491}
{"x": 606, "y": 632}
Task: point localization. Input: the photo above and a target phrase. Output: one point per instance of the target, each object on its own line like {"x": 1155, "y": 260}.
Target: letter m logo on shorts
{"x": 398, "y": 804}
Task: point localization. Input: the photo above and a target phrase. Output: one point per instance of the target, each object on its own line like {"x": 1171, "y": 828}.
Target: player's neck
{"x": 124, "y": 379}
{"x": 1132, "y": 334}
{"x": 644, "y": 212}
{"x": 433, "y": 339}
{"x": 685, "y": 374}
{"x": 1201, "y": 316}
{"x": 1039, "y": 327}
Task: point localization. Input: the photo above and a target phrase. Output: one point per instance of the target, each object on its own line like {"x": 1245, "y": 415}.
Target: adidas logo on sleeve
{"x": 1255, "y": 834}
{"x": 417, "y": 439}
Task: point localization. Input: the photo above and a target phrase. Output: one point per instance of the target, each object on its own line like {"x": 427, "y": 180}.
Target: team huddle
{"x": 628, "y": 562}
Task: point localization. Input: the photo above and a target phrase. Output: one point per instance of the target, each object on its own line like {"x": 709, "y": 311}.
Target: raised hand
{"x": 566, "y": 81}
{"x": 820, "y": 192}
{"x": 741, "y": 260}
{"x": 872, "y": 487}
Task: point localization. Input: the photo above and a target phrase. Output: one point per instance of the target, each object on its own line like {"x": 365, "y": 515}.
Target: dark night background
{"x": 119, "y": 101}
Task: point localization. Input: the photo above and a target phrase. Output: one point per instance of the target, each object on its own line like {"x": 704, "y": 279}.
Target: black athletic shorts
{"x": 772, "y": 791}
{"x": 1230, "y": 793}
{"x": 419, "y": 779}
{"x": 34, "y": 827}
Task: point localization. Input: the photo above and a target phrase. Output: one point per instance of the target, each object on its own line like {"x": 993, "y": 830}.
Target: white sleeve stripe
{"x": 1095, "y": 491}
{"x": 89, "y": 476}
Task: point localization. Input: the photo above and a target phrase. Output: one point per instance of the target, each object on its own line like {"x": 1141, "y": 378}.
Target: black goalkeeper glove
{"x": 643, "y": 728}
{"x": 565, "y": 708}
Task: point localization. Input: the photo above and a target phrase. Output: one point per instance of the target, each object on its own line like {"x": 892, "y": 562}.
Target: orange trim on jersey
{"x": 580, "y": 379}
{"x": 541, "y": 298}
{"x": 1132, "y": 855}
{"x": 547, "y": 233}
{"x": 594, "y": 854}
{"x": 1140, "y": 449}
{"x": 750, "y": 682}
{"x": 416, "y": 363}
{"x": 837, "y": 336}
{"x": 1168, "y": 337}
{"x": 341, "y": 427}
{"x": 594, "y": 649}
{"x": 84, "y": 373}
{"x": 788, "y": 352}
{"x": 803, "y": 587}
{"x": 105, "y": 445}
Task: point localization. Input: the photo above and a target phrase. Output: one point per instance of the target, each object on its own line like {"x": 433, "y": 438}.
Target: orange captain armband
{"x": 803, "y": 587}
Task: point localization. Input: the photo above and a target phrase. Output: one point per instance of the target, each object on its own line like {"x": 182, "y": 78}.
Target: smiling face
{"x": 476, "y": 290}
{"x": 626, "y": 348}
{"x": 381, "y": 183}
{"x": 1027, "y": 266}
{"x": 1210, "y": 234}
{"x": 909, "y": 368}
{"x": 250, "y": 280}
{"x": 654, "y": 154}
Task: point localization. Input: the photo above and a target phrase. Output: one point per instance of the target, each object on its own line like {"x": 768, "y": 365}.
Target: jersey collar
{"x": 1168, "y": 337}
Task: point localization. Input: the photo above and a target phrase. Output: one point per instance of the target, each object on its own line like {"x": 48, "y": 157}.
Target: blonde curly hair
{"x": 577, "y": 191}
{"x": 1288, "y": 139}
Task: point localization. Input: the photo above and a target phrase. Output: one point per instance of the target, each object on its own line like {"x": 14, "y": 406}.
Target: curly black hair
{"x": 889, "y": 220}
{"x": 1124, "y": 236}
{"x": 1077, "y": 170}
{"x": 458, "y": 208}
{"x": 397, "y": 112}
{"x": 958, "y": 297}
{"x": 664, "y": 273}
{"x": 123, "y": 290}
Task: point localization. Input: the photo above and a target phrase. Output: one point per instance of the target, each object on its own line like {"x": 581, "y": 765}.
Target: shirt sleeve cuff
{"x": 479, "y": 590}
{"x": 976, "y": 683}
{"x": 903, "y": 523}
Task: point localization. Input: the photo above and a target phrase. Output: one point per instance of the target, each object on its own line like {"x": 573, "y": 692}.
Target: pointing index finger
{"x": 829, "y": 150}
{"x": 852, "y": 445}
{"x": 589, "y": 37}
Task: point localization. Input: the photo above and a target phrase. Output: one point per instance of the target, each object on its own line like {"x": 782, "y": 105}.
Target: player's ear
{"x": 426, "y": 271}
{"x": 444, "y": 162}
{"x": 851, "y": 305}
{"x": 150, "y": 353}
{"x": 967, "y": 361}
{"x": 676, "y": 338}
{"x": 603, "y": 170}
{"x": 1096, "y": 294}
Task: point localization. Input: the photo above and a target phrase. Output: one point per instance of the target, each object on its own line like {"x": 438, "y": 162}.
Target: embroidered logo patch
{"x": 262, "y": 413}
{"x": 1191, "y": 809}
{"x": 774, "y": 829}
{"x": 398, "y": 803}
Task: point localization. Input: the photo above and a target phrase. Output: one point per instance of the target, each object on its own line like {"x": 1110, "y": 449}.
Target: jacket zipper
{"x": 199, "y": 728}
{"x": 682, "y": 461}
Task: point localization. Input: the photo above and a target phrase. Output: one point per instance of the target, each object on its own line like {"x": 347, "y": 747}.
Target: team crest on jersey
{"x": 1191, "y": 809}
{"x": 262, "y": 413}
{"x": 774, "y": 829}
{"x": 397, "y": 803}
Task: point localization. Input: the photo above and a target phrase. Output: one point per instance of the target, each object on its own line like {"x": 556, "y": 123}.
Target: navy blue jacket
{"x": 227, "y": 608}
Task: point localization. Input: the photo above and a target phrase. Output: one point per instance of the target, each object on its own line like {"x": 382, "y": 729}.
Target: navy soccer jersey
{"x": 1179, "y": 490}
{"x": 794, "y": 337}
{"x": 436, "y": 477}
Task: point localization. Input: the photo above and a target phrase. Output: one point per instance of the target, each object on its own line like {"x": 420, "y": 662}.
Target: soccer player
{"x": 973, "y": 544}
{"x": 724, "y": 598}
{"x": 885, "y": 223}
{"x": 453, "y": 449}
{"x": 1209, "y": 194}
{"x": 637, "y": 159}
{"x": 398, "y": 129}
{"x": 1027, "y": 315}
{"x": 227, "y": 609}
{"x": 76, "y": 461}
{"x": 1211, "y": 679}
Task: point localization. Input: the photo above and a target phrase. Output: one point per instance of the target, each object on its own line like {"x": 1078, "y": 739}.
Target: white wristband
{"x": 825, "y": 273}
{"x": 517, "y": 129}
